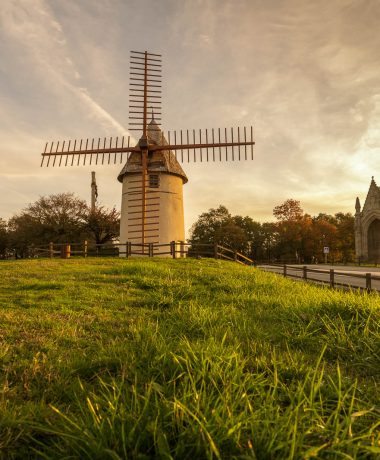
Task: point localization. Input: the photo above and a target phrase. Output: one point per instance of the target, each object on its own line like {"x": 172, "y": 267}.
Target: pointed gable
{"x": 373, "y": 197}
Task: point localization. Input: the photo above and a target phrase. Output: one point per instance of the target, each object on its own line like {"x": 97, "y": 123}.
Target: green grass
{"x": 187, "y": 359}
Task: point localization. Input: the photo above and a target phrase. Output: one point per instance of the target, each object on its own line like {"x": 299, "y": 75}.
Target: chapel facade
{"x": 367, "y": 226}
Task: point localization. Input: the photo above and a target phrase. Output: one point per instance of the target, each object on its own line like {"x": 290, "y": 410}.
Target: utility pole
{"x": 94, "y": 191}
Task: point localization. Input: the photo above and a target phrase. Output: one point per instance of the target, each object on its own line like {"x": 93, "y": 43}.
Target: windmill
{"x": 152, "y": 178}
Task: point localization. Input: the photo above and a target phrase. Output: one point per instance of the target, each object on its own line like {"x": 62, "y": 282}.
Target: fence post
{"x": 368, "y": 282}
{"x": 150, "y": 249}
{"x": 332, "y": 280}
{"x": 85, "y": 248}
{"x": 285, "y": 270}
{"x": 304, "y": 268}
{"x": 216, "y": 250}
{"x": 172, "y": 249}
{"x": 51, "y": 249}
{"x": 235, "y": 256}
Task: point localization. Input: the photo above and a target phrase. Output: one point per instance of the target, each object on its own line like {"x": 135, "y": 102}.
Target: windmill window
{"x": 154, "y": 180}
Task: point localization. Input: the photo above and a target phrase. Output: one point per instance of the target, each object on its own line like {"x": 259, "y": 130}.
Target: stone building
{"x": 367, "y": 226}
{"x": 164, "y": 195}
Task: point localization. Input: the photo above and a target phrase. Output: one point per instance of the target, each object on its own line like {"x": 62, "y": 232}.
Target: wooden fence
{"x": 174, "y": 249}
{"x": 332, "y": 277}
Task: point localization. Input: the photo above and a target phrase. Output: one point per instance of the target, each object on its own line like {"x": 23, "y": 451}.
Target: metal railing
{"x": 331, "y": 277}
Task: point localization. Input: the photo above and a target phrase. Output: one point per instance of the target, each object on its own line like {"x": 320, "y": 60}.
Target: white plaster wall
{"x": 171, "y": 221}
{"x": 167, "y": 199}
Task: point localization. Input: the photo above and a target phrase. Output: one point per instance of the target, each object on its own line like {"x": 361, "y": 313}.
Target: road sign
{"x": 326, "y": 250}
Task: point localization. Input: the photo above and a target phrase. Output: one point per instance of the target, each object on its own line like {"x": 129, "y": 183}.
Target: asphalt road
{"x": 344, "y": 276}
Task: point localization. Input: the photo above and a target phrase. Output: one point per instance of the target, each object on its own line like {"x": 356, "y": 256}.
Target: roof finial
{"x": 357, "y": 205}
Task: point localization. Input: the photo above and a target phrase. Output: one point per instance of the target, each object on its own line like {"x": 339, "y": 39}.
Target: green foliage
{"x": 219, "y": 226}
{"x": 183, "y": 359}
{"x": 3, "y": 238}
{"x": 102, "y": 224}
{"x": 294, "y": 237}
{"x": 60, "y": 218}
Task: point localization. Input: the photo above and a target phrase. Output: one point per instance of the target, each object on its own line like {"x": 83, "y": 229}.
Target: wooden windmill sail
{"x": 152, "y": 206}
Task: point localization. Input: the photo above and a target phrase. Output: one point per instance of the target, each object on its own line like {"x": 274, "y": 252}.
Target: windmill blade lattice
{"x": 144, "y": 89}
{"x": 233, "y": 144}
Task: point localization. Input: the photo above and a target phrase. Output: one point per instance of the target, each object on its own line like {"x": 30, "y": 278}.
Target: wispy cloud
{"x": 31, "y": 25}
{"x": 304, "y": 73}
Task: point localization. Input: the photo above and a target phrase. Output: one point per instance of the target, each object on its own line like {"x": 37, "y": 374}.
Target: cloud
{"x": 305, "y": 74}
{"x": 31, "y": 25}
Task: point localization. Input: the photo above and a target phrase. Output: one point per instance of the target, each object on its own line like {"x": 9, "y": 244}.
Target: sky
{"x": 304, "y": 73}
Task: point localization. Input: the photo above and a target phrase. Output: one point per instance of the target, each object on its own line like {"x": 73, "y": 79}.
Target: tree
{"x": 3, "y": 238}
{"x": 345, "y": 235}
{"x": 291, "y": 228}
{"x": 218, "y": 226}
{"x": 295, "y": 235}
{"x": 62, "y": 218}
{"x": 58, "y": 218}
{"x": 289, "y": 211}
{"x": 203, "y": 230}
{"x": 324, "y": 234}
{"x": 103, "y": 225}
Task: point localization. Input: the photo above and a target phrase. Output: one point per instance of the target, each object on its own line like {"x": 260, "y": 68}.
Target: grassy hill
{"x": 110, "y": 359}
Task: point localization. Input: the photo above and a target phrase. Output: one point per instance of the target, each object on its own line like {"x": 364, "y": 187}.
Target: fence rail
{"x": 174, "y": 249}
{"x": 332, "y": 277}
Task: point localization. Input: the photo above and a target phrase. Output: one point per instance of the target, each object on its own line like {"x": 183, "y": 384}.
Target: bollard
{"x": 368, "y": 282}
{"x": 65, "y": 251}
{"x": 332, "y": 278}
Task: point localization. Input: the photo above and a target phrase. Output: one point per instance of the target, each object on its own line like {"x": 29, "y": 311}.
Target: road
{"x": 343, "y": 275}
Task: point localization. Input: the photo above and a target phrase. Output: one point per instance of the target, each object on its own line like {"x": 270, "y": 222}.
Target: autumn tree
{"x": 345, "y": 236}
{"x": 324, "y": 234}
{"x": 289, "y": 211}
{"x": 292, "y": 226}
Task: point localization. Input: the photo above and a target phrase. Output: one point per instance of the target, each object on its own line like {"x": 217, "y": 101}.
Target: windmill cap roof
{"x": 158, "y": 161}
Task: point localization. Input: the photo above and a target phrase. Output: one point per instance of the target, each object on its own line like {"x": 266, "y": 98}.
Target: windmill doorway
{"x": 374, "y": 241}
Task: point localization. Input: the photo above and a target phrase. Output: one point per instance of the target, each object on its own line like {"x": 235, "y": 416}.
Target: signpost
{"x": 326, "y": 250}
